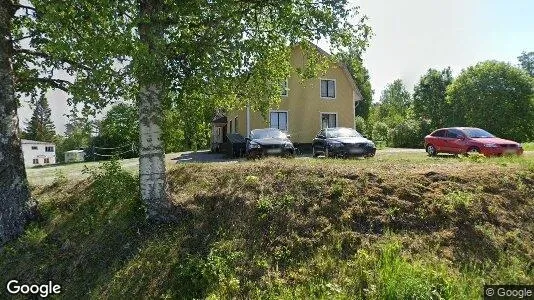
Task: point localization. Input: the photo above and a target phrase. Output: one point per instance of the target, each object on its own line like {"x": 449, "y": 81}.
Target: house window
{"x": 285, "y": 88}
{"x": 235, "y": 125}
{"x": 35, "y": 161}
{"x": 49, "y": 149}
{"x": 328, "y": 88}
{"x": 47, "y": 160}
{"x": 34, "y": 147}
{"x": 328, "y": 120}
{"x": 278, "y": 119}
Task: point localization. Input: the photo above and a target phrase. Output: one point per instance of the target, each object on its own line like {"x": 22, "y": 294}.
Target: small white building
{"x": 38, "y": 153}
{"x": 74, "y": 156}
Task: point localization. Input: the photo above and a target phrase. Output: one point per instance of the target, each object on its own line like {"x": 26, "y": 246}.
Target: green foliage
{"x": 77, "y": 136}
{"x": 284, "y": 229}
{"x": 215, "y": 63}
{"x": 351, "y": 58}
{"x": 429, "y": 98}
{"x": 119, "y": 128}
{"x": 495, "y": 96}
{"x": 380, "y": 132}
{"x": 395, "y": 104}
{"x": 526, "y": 61}
{"x": 406, "y": 135}
{"x": 457, "y": 200}
{"x": 59, "y": 178}
{"x": 400, "y": 279}
{"x": 40, "y": 128}
{"x": 360, "y": 125}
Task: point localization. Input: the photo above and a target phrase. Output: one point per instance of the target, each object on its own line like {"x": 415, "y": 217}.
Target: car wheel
{"x": 472, "y": 150}
{"x": 431, "y": 150}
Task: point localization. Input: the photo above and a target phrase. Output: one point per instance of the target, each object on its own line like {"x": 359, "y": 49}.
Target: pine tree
{"x": 41, "y": 128}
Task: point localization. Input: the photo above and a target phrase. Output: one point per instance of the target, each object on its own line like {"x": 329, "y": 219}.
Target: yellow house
{"x": 306, "y": 106}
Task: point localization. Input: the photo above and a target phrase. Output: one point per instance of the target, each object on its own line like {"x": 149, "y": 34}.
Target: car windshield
{"x": 342, "y": 132}
{"x": 267, "y": 133}
{"x": 477, "y": 133}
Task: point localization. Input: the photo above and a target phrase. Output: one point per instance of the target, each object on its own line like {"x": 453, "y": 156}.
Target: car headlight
{"x": 491, "y": 145}
{"x": 371, "y": 144}
{"x": 335, "y": 145}
{"x": 254, "y": 145}
{"x": 288, "y": 145}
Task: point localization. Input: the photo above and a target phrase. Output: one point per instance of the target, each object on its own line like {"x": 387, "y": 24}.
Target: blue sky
{"x": 412, "y": 36}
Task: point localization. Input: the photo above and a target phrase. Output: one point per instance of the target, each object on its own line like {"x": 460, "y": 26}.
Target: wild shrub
{"x": 59, "y": 178}
{"x": 360, "y": 126}
{"x": 380, "y": 132}
{"x": 406, "y": 135}
{"x": 111, "y": 181}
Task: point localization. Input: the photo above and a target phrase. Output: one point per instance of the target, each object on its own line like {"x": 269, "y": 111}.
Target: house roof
{"x": 219, "y": 119}
{"x": 35, "y": 142}
{"x": 343, "y": 68}
{"x": 74, "y": 151}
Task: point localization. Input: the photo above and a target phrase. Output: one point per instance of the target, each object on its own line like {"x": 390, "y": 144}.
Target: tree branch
{"x": 23, "y": 37}
{"x": 52, "y": 82}
{"x": 47, "y": 56}
{"x": 26, "y": 7}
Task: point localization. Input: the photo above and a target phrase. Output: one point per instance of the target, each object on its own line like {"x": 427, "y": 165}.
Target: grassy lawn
{"x": 383, "y": 159}
{"x": 528, "y": 146}
{"x": 400, "y": 225}
{"x": 74, "y": 171}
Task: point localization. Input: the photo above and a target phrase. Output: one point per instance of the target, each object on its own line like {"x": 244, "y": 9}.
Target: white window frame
{"x": 321, "y": 86}
{"x": 287, "y": 118}
{"x": 47, "y": 148}
{"x": 35, "y": 147}
{"x": 285, "y": 88}
{"x": 35, "y": 161}
{"x": 327, "y": 113}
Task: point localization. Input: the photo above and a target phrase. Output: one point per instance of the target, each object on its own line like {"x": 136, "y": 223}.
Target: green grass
{"x": 391, "y": 227}
{"x": 528, "y": 146}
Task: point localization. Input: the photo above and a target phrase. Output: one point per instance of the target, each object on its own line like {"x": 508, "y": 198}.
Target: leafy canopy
{"x": 228, "y": 51}
{"x": 41, "y": 128}
{"x": 526, "y": 61}
{"x": 429, "y": 98}
{"x": 495, "y": 96}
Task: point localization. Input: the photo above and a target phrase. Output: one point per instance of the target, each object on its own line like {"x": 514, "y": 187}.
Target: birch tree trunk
{"x": 151, "y": 150}
{"x": 15, "y": 202}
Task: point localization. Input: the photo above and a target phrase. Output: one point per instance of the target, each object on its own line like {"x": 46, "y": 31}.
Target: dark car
{"x": 465, "y": 140}
{"x": 342, "y": 142}
{"x": 268, "y": 141}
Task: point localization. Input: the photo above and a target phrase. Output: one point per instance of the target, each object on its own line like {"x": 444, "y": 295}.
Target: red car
{"x": 465, "y": 140}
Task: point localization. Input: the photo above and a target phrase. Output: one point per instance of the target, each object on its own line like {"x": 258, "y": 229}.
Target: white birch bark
{"x": 151, "y": 150}
{"x": 152, "y": 155}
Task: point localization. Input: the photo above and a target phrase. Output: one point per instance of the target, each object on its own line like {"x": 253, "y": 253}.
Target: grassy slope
{"x": 384, "y": 228}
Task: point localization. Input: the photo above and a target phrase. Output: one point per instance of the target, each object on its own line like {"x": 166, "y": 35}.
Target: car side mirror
{"x": 364, "y": 136}
{"x": 288, "y": 136}
{"x": 248, "y": 139}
